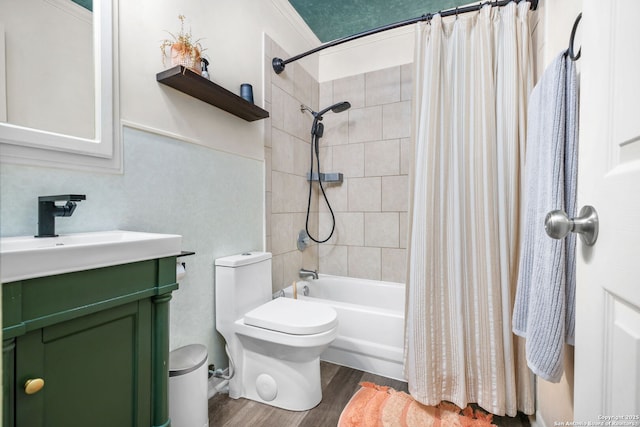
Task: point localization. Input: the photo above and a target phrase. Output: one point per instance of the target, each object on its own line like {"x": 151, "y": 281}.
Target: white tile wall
{"x": 395, "y": 194}
{"x": 382, "y": 229}
{"x": 286, "y": 166}
{"x": 336, "y": 128}
{"x": 393, "y": 265}
{"x": 364, "y": 194}
{"x": 337, "y": 195}
{"x": 374, "y": 154}
{"x": 364, "y": 262}
{"x": 396, "y": 120}
{"x": 334, "y": 259}
{"x": 382, "y": 86}
{"x": 365, "y": 124}
{"x": 369, "y": 144}
{"x": 382, "y": 158}
{"x": 349, "y": 89}
{"x": 349, "y": 159}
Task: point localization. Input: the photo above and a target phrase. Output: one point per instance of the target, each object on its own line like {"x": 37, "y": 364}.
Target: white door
{"x": 607, "y": 353}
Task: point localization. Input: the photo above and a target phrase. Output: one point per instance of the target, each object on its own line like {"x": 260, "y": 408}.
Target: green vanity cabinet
{"x": 100, "y": 341}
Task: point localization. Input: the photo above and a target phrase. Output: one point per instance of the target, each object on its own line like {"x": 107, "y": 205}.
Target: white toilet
{"x": 274, "y": 345}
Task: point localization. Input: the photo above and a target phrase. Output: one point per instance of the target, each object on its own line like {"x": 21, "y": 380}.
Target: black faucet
{"x": 48, "y": 211}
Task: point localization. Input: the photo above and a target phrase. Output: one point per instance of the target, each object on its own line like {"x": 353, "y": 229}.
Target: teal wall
{"x": 334, "y": 19}
{"x": 213, "y": 199}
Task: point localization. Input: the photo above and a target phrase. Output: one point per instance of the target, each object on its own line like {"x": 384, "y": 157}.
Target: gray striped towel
{"x": 544, "y": 311}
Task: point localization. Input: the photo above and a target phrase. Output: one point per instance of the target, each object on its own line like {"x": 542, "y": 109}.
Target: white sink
{"x": 26, "y": 257}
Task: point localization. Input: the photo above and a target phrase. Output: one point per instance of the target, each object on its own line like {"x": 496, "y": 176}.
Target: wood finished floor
{"x": 339, "y": 383}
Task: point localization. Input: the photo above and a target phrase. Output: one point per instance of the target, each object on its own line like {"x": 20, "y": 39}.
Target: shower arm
{"x": 317, "y": 129}
{"x": 279, "y": 64}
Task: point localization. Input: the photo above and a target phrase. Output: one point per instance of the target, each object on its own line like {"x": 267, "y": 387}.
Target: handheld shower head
{"x": 317, "y": 129}
{"x": 336, "y": 108}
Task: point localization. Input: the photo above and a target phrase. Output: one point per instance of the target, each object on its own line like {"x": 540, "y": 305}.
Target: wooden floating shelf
{"x": 191, "y": 83}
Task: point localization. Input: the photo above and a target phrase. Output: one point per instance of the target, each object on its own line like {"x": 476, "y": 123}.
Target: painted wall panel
{"x": 213, "y": 199}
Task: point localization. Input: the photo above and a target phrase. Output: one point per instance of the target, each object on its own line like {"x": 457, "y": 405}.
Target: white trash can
{"x": 188, "y": 382}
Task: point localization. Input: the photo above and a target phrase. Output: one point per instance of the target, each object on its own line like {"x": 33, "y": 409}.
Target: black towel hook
{"x": 572, "y": 54}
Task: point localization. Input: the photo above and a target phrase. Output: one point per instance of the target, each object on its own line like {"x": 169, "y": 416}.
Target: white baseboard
{"x": 537, "y": 420}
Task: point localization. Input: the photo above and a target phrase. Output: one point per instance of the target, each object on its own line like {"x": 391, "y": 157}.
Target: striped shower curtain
{"x": 472, "y": 78}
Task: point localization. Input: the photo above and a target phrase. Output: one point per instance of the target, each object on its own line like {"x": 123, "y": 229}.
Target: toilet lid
{"x": 293, "y": 316}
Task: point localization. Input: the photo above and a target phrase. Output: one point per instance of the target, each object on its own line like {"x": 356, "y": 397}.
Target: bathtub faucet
{"x": 308, "y": 273}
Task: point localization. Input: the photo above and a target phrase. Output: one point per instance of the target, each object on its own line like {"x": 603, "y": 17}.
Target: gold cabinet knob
{"x": 33, "y": 386}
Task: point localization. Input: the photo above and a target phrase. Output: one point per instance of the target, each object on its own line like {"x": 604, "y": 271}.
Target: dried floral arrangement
{"x": 184, "y": 50}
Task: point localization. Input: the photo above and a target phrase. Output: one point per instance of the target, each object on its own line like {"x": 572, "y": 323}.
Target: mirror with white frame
{"x": 57, "y": 103}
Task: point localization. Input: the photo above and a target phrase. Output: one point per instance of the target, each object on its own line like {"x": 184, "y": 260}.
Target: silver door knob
{"x": 557, "y": 224}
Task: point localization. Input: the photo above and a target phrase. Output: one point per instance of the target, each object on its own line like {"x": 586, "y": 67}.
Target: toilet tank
{"x": 242, "y": 283}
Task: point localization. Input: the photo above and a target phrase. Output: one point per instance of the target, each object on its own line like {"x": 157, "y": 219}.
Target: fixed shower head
{"x": 336, "y": 108}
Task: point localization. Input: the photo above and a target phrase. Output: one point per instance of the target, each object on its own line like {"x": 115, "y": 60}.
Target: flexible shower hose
{"x": 314, "y": 148}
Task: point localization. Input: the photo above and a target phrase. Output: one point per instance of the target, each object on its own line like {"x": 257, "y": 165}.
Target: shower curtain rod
{"x": 279, "y": 63}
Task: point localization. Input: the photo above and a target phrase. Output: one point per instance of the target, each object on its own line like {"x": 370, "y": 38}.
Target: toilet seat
{"x": 292, "y": 316}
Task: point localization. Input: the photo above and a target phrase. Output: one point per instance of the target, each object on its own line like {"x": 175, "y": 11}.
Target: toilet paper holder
{"x": 180, "y": 272}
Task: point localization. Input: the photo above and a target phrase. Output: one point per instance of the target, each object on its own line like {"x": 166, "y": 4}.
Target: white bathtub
{"x": 371, "y": 322}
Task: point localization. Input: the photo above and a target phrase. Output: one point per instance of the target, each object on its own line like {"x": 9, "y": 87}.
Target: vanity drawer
{"x": 35, "y": 303}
